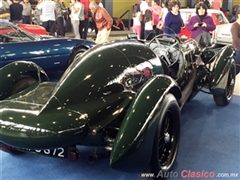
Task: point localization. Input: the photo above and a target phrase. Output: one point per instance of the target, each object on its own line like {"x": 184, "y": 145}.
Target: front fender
{"x": 10, "y": 73}
{"x": 132, "y": 147}
{"x": 218, "y": 77}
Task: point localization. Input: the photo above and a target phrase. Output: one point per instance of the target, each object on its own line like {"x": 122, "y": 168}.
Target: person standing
{"x": 48, "y": 15}
{"x": 235, "y": 29}
{"x": 157, "y": 15}
{"x": 143, "y": 7}
{"x": 200, "y": 22}
{"x": 164, "y": 9}
{"x": 173, "y": 20}
{"x": 27, "y": 12}
{"x": 217, "y": 4}
{"x": 60, "y": 9}
{"x": 137, "y": 19}
{"x": 75, "y": 7}
{"x": 148, "y": 27}
{"x": 103, "y": 22}
{"x": 99, "y": 3}
{"x": 83, "y": 26}
{"x": 16, "y": 12}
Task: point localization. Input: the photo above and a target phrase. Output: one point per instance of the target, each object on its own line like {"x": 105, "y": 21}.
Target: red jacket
{"x": 86, "y": 7}
{"x": 102, "y": 19}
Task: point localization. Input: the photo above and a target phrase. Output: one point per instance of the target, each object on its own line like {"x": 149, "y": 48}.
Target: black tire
{"x": 167, "y": 137}
{"x": 224, "y": 98}
{"x": 21, "y": 84}
{"x": 9, "y": 149}
{"x": 75, "y": 55}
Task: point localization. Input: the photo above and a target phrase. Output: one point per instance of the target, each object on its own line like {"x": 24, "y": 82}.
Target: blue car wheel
{"x": 76, "y": 53}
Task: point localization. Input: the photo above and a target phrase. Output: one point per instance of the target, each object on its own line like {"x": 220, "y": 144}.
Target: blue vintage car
{"x": 49, "y": 52}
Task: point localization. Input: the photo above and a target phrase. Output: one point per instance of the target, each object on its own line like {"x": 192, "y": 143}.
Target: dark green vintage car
{"x": 125, "y": 96}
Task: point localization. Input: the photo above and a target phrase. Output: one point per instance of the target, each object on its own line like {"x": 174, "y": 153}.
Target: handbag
{"x": 203, "y": 39}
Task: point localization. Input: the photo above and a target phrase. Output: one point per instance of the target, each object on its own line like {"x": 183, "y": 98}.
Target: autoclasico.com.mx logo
{"x": 189, "y": 174}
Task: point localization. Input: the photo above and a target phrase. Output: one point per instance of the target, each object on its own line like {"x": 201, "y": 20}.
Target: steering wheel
{"x": 166, "y": 38}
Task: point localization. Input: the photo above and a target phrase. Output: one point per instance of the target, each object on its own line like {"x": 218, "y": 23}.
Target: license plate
{"x": 57, "y": 152}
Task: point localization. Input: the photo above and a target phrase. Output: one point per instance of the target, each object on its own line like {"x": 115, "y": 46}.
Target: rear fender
{"x": 133, "y": 145}
{"x": 10, "y": 73}
{"x": 218, "y": 77}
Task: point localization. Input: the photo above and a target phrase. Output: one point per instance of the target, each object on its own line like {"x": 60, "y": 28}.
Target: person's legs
{"x": 138, "y": 28}
{"x": 106, "y": 35}
{"x": 85, "y": 28}
{"x": 26, "y": 20}
{"x": 75, "y": 26}
{"x": 45, "y": 25}
{"x": 102, "y": 36}
{"x": 60, "y": 27}
{"x": 99, "y": 37}
{"x": 146, "y": 33}
{"x": 158, "y": 31}
{"x": 52, "y": 27}
{"x": 143, "y": 27}
{"x": 81, "y": 28}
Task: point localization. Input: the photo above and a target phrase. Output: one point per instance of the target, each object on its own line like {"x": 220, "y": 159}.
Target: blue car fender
{"x": 10, "y": 73}
{"x": 132, "y": 147}
{"x": 219, "y": 76}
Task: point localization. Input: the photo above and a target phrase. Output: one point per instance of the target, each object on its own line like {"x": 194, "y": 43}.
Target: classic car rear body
{"x": 109, "y": 96}
{"x": 94, "y": 94}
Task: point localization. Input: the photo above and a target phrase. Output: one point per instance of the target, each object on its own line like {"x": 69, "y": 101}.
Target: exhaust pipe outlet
{"x": 92, "y": 158}
{"x": 97, "y": 156}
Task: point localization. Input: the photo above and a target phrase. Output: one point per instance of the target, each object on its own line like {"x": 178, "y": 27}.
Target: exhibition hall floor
{"x": 209, "y": 145}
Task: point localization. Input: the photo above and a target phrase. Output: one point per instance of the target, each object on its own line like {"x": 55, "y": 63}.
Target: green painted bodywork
{"x": 112, "y": 89}
{"x": 8, "y": 77}
{"x": 219, "y": 75}
{"x": 139, "y": 117}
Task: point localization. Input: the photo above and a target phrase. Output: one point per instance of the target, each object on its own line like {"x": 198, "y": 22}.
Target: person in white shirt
{"x": 137, "y": 18}
{"x": 143, "y": 7}
{"x": 48, "y": 15}
{"x": 148, "y": 19}
{"x": 164, "y": 9}
{"x": 75, "y": 7}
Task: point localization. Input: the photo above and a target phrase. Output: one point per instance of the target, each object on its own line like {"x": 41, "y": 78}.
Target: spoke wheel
{"x": 167, "y": 136}
{"x": 224, "y": 98}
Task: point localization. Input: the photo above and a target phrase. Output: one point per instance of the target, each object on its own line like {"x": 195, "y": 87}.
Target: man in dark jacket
{"x": 16, "y": 12}
{"x": 103, "y": 22}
